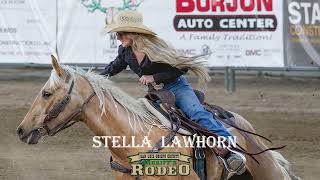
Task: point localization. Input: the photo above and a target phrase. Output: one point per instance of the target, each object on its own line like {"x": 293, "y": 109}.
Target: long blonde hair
{"x": 161, "y": 52}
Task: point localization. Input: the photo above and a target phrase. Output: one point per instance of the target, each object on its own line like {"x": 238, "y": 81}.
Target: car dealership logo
{"x": 206, "y": 51}
{"x": 195, "y": 16}
{"x": 253, "y": 52}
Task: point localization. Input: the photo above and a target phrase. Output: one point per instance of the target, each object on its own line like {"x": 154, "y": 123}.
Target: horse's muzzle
{"x": 30, "y": 138}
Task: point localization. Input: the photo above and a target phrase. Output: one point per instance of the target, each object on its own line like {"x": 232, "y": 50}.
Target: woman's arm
{"x": 117, "y": 65}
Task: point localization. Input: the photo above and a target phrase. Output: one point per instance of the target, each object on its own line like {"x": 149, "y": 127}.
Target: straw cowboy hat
{"x": 128, "y": 21}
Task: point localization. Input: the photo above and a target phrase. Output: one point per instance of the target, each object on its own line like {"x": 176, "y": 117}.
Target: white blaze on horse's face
{"x": 52, "y": 93}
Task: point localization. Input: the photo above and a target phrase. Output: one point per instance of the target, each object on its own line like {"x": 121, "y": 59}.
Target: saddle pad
{"x": 163, "y": 120}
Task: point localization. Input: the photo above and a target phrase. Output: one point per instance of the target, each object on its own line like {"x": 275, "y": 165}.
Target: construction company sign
{"x": 303, "y": 37}
{"x": 27, "y": 31}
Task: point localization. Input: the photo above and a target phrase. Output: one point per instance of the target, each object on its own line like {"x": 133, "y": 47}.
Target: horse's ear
{"x": 56, "y": 66}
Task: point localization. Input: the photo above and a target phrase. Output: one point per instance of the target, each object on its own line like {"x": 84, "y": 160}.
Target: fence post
{"x": 226, "y": 78}
{"x": 230, "y": 80}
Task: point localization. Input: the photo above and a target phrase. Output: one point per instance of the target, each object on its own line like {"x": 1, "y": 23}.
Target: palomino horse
{"x": 107, "y": 111}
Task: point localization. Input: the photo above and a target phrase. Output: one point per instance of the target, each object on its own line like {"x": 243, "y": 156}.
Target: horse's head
{"x": 55, "y": 107}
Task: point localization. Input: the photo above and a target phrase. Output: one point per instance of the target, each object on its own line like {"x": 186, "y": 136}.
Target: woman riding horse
{"x": 154, "y": 61}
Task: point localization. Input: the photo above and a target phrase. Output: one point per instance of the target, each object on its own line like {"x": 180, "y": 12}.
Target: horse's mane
{"x": 103, "y": 88}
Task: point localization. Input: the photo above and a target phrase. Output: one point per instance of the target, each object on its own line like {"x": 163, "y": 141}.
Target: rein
{"x": 59, "y": 108}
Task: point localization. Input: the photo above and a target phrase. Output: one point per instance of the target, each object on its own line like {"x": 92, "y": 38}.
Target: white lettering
{"x": 96, "y": 142}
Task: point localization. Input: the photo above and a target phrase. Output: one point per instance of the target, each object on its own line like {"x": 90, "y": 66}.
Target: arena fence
{"x": 229, "y": 72}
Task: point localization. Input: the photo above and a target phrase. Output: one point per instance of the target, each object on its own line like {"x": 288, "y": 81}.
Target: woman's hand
{"x": 146, "y": 79}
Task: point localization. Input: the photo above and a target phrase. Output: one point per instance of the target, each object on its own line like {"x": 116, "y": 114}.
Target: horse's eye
{"x": 46, "y": 94}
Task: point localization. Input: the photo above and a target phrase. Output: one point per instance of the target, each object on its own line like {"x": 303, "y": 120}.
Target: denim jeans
{"x": 188, "y": 102}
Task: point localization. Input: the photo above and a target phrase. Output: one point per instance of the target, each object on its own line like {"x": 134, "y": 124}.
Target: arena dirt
{"x": 285, "y": 110}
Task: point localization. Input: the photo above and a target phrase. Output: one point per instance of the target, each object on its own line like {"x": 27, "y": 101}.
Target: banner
{"x": 27, "y": 31}
{"x": 233, "y": 33}
{"x": 163, "y": 156}
{"x": 79, "y": 33}
{"x": 245, "y": 33}
{"x": 303, "y": 33}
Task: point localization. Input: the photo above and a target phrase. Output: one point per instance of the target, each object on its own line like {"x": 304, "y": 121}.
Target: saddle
{"x": 168, "y": 98}
{"x": 179, "y": 121}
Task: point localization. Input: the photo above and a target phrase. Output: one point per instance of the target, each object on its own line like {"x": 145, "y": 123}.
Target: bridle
{"x": 59, "y": 108}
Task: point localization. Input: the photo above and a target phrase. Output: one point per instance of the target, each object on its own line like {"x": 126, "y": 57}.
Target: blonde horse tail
{"x": 284, "y": 165}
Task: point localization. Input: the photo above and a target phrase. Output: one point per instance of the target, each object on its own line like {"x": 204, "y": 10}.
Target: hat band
{"x": 130, "y": 20}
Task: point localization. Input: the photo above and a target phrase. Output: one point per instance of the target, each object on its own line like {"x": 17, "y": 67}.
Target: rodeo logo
{"x": 111, "y": 8}
{"x": 160, "y": 164}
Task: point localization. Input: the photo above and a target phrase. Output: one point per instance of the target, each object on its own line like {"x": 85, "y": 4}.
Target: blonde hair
{"x": 161, "y": 52}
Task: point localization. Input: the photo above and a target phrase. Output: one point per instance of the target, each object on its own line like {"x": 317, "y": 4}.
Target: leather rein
{"x": 57, "y": 109}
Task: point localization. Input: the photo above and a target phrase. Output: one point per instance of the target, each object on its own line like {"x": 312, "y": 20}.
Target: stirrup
{"x": 241, "y": 167}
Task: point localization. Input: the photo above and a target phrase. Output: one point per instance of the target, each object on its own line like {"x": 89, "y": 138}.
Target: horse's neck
{"x": 111, "y": 122}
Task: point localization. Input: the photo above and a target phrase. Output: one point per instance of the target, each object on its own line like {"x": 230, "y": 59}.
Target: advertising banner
{"x": 79, "y": 32}
{"x": 303, "y": 33}
{"x": 230, "y": 33}
{"x": 27, "y": 31}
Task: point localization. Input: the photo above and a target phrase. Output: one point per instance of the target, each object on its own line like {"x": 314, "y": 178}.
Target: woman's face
{"x": 125, "y": 38}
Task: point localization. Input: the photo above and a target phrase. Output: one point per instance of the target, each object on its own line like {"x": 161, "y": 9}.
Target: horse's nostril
{"x": 20, "y": 131}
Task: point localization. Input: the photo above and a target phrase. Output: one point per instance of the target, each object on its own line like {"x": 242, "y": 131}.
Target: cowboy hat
{"x": 128, "y": 21}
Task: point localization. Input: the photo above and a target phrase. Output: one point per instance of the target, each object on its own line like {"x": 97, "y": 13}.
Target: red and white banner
{"x": 247, "y": 33}
{"x": 237, "y": 33}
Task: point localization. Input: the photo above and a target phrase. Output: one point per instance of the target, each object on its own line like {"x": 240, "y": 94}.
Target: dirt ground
{"x": 284, "y": 110}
